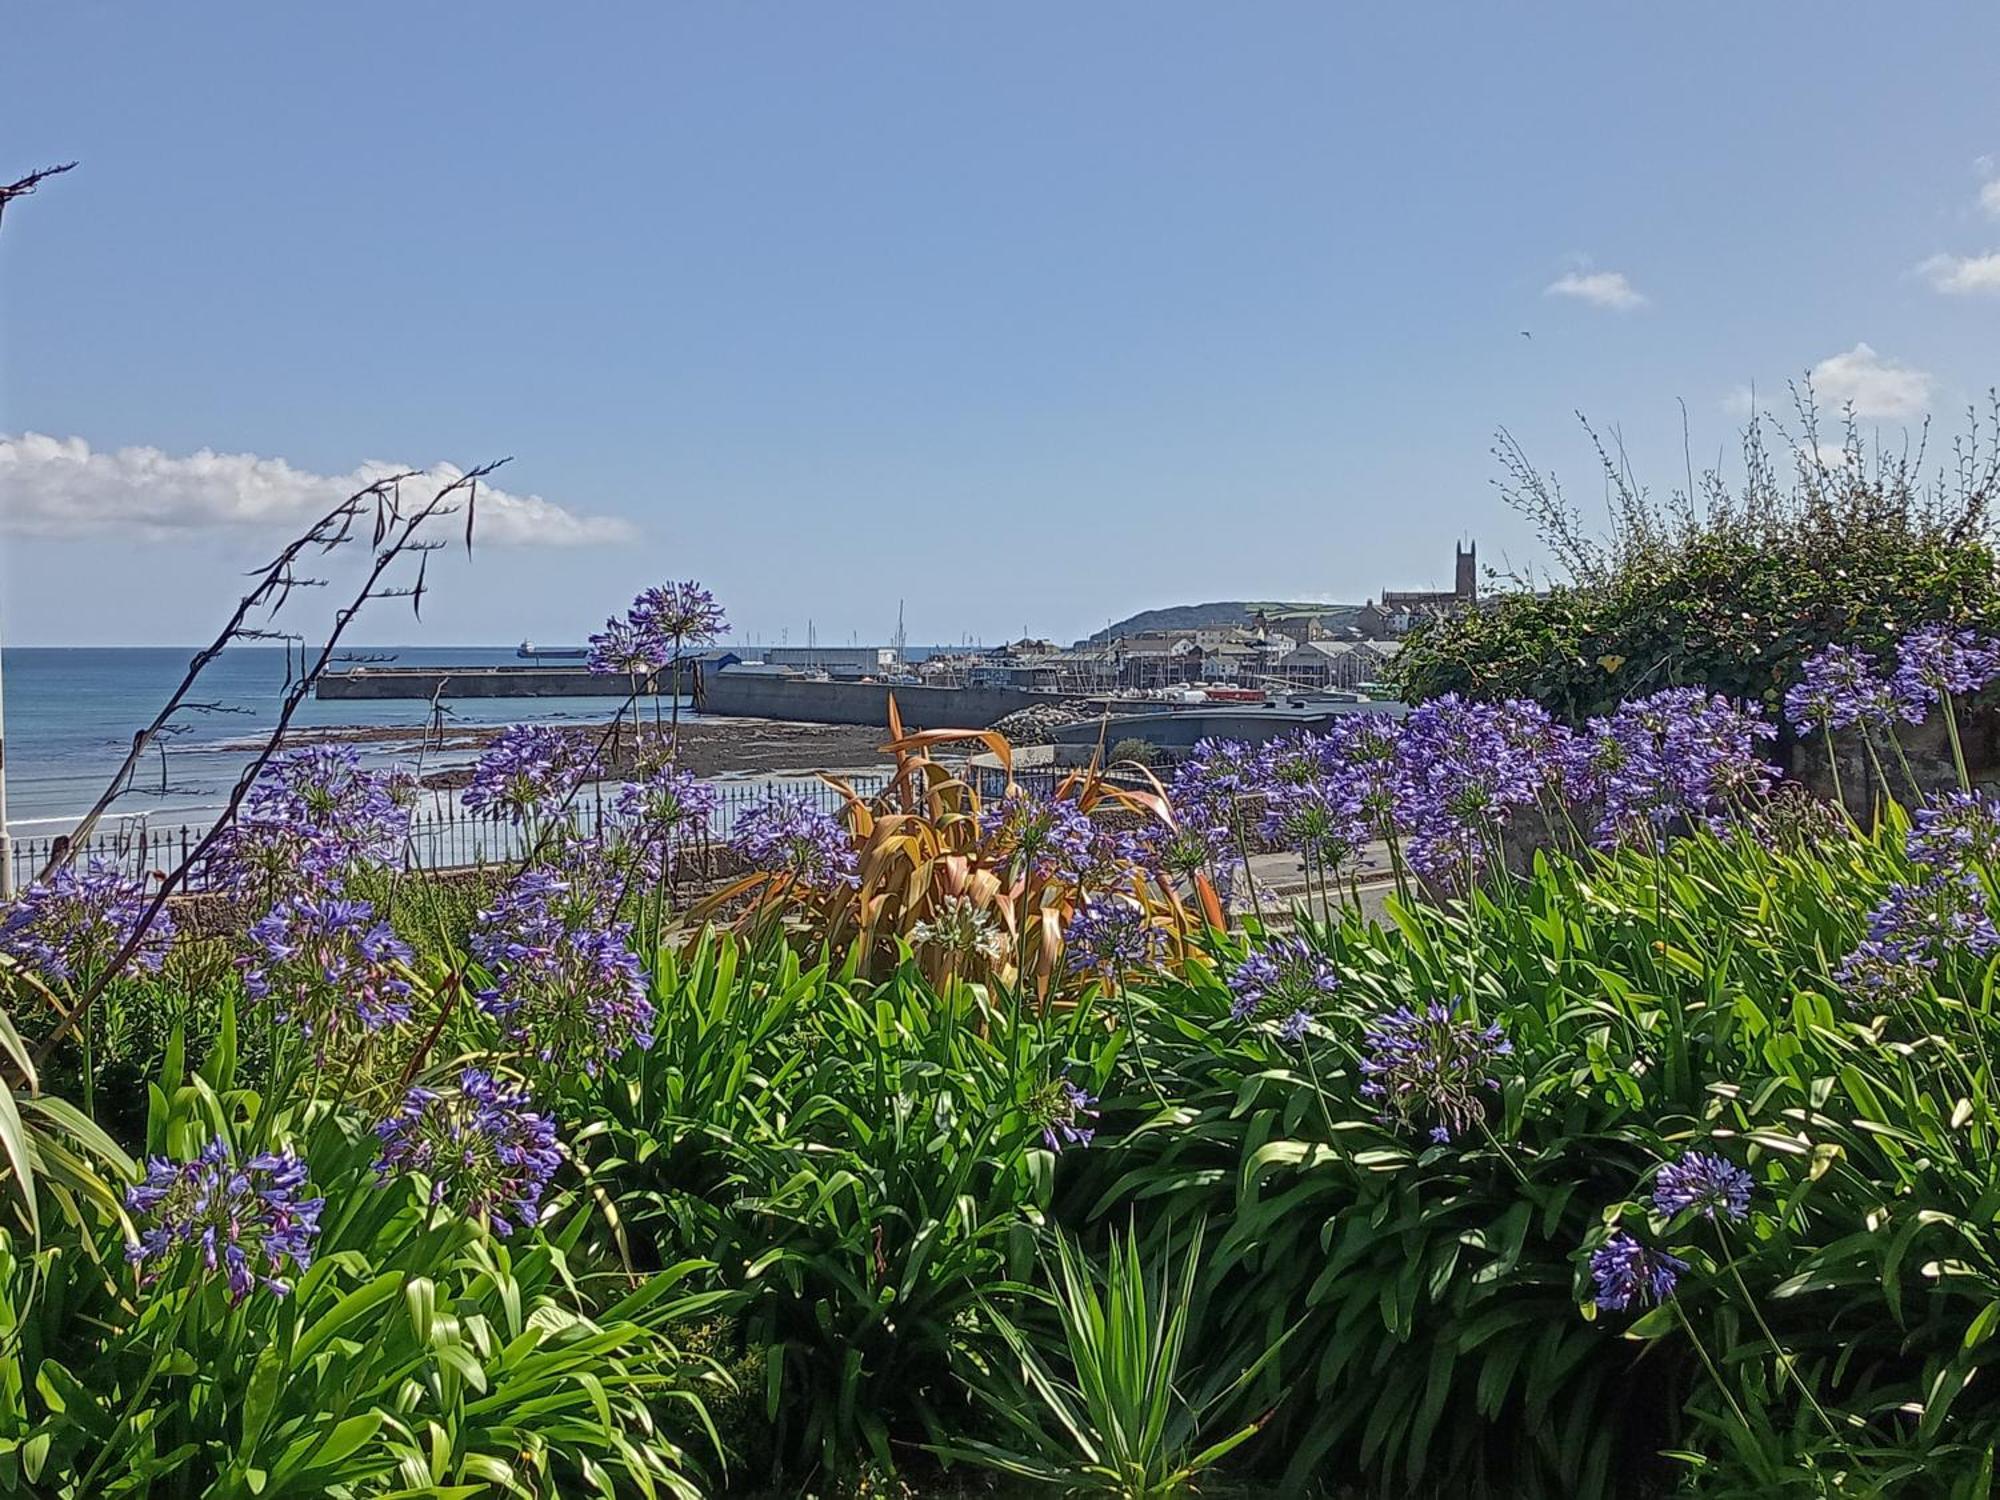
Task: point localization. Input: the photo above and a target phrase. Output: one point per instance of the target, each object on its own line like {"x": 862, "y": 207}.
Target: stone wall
{"x": 752, "y": 696}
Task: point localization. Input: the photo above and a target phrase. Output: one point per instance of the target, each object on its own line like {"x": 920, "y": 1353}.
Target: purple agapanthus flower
{"x": 1700, "y": 1180}
{"x": 1280, "y": 981}
{"x": 1431, "y": 1064}
{"x": 1627, "y": 1272}
{"x": 1462, "y": 769}
{"x": 246, "y": 1220}
{"x": 481, "y": 1147}
{"x": 1067, "y": 1114}
{"x": 1218, "y": 786}
{"x": 528, "y": 773}
{"x": 1109, "y": 937}
{"x": 1918, "y": 926}
{"x": 790, "y": 835}
{"x": 326, "y": 965}
{"x": 1838, "y": 688}
{"x": 1040, "y": 835}
{"x": 1183, "y": 851}
{"x": 675, "y": 616}
{"x": 1311, "y": 806}
{"x": 566, "y": 983}
{"x": 69, "y": 927}
{"x": 1361, "y": 752}
{"x": 622, "y": 649}
{"x": 313, "y": 816}
{"x": 1960, "y": 830}
{"x": 1935, "y": 662}
{"x": 664, "y": 815}
{"x": 1678, "y": 757}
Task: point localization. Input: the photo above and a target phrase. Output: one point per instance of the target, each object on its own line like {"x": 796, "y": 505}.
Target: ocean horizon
{"x": 71, "y": 713}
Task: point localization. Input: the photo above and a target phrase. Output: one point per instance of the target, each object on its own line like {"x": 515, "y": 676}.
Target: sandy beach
{"x": 709, "y": 747}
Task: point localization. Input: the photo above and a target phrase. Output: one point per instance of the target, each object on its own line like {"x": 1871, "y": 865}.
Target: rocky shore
{"x": 709, "y": 747}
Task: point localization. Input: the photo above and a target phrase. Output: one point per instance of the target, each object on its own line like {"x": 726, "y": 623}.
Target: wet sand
{"x": 709, "y": 747}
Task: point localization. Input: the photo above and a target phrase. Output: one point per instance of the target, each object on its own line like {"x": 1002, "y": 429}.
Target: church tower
{"x": 1467, "y": 583}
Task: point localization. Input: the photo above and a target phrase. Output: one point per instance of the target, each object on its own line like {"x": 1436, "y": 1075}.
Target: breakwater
{"x": 481, "y": 682}
{"x": 750, "y": 696}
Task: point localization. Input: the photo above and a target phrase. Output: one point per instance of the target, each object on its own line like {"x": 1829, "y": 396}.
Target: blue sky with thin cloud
{"x": 1027, "y": 315}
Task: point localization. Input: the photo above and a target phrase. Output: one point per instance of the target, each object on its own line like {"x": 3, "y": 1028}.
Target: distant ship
{"x": 529, "y": 651}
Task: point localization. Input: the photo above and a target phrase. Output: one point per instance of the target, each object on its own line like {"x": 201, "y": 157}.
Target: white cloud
{"x": 1873, "y": 385}
{"x": 1598, "y": 288}
{"x": 1964, "y": 273}
{"x": 1989, "y": 197}
{"x": 61, "y": 487}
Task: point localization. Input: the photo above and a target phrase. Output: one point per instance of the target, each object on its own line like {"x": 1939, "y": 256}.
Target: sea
{"x": 71, "y": 713}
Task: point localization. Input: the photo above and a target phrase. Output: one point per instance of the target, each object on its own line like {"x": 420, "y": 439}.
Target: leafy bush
{"x": 1115, "y": 1418}
{"x": 861, "y": 1167}
{"x": 417, "y": 1354}
{"x": 1727, "y": 589}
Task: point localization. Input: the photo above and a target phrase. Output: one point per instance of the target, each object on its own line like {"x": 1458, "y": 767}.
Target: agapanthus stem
{"x": 1687, "y": 1325}
{"x": 1833, "y": 765}
{"x": 1785, "y": 1361}
{"x": 1957, "y": 746}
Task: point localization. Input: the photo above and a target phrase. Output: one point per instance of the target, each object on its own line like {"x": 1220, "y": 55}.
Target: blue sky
{"x": 1029, "y": 315}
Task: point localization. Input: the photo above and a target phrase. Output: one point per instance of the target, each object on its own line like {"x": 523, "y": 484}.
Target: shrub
{"x": 1726, "y": 588}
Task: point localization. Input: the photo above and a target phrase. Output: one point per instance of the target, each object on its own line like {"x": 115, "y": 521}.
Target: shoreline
{"x": 710, "y": 747}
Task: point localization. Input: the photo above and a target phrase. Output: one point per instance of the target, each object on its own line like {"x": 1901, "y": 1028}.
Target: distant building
{"x": 864, "y": 658}
{"x": 1336, "y": 664}
{"x": 1464, "y": 592}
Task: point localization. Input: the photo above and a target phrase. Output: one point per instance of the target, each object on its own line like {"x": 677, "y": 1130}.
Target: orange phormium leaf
{"x": 1211, "y": 906}
{"x": 923, "y": 739}
{"x": 1156, "y": 806}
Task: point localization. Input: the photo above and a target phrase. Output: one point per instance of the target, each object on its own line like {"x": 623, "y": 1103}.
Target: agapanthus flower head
{"x": 677, "y": 615}
{"x": 1109, "y": 937}
{"x": 481, "y": 1147}
{"x": 962, "y": 931}
{"x": 528, "y": 773}
{"x": 1066, "y": 1113}
{"x": 1278, "y": 980}
{"x": 1181, "y": 851}
{"x": 326, "y": 965}
{"x": 1935, "y": 661}
{"x": 1918, "y": 926}
{"x": 245, "y": 1219}
{"x": 1960, "y": 830}
{"x": 1839, "y": 687}
{"x": 1362, "y": 750}
{"x": 1037, "y": 835}
{"x": 1218, "y": 786}
{"x": 664, "y": 815}
{"x": 69, "y": 927}
{"x": 566, "y": 983}
{"x": 1104, "y": 858}
{"x": 1311, "y": 806}
{"x": 1627, "y": 1272}
{"x": 1681, "y": 756}
{"x": 622, "y": 649}
{"x": 312, "y": 817}
{"x": 1431, "y": 1065}
{"x": 1701, "y": 1180}
{"x": 1462, "y": 769}
{"x": 791, "y": 835}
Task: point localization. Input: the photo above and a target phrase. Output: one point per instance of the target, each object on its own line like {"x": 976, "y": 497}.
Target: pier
{"x": 539, "y": 681}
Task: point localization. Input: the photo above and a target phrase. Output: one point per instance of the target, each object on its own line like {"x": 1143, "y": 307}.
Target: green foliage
{"x": 1446, "y": 1336}
{"x": 861, "y": 1165}
{"x": 1113, "y": 1417}
{"x": 417, "y": 1356}
{"x": 1730, "y": 590}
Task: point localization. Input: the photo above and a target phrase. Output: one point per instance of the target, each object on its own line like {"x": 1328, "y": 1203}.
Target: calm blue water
{"x": 72, "y": 711}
